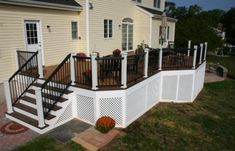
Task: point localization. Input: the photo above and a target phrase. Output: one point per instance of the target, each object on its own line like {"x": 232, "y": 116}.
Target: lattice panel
{"x": 85, "y": 108}
{"x": 112, "y": 107}
{"x": 153, "y": 92}
{"x": 66, "y": 115}
{"x": 135, "y": 103}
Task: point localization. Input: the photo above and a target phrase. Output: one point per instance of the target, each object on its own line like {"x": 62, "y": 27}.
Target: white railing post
{"x": 72, "y": 67}
{"x": 160, "y": 59}
{"x": 124, "y": 70}
{"x": 41, "y": 122}
{"x": 8, "y": 97}
{"x": 194, "y": 57}
{"x": 17, "y": 59}
{"x": 189, "y": 47}
{"x": 201, "y": 50}
{"x": 40, "y": 66}
{"x": 146, "y": 62}
{"x": 205, "y": 50}
{"x": 94, "y": 71}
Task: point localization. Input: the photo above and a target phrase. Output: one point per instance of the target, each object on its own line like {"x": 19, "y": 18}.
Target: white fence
{"x": 125, "y": 106}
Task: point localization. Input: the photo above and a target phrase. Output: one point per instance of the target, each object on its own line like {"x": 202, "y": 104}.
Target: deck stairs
{"x": 25, "y": 110}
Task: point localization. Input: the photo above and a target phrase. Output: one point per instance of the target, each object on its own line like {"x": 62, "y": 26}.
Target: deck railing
{"x": 23, "y": 57}
{"x": 83, "y": 75}
{"x": 23, "y": 78}
{"x": 109, "y": 71}
{"x": 56, "y": 85}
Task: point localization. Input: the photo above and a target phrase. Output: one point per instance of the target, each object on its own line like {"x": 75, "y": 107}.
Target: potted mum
{"x": 105, "y": 124}
{"x": 116, "y": 52}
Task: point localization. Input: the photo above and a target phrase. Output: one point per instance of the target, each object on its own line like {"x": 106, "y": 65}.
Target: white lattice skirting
{"x": 125, "y": 106}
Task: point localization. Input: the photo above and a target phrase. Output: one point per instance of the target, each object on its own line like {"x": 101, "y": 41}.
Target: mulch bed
{"x": 13, "y": 128}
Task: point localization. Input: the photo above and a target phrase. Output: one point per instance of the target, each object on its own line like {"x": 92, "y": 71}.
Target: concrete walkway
{"x": 212, "y": 77}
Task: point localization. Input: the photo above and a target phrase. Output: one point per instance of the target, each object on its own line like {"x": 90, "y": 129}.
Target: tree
{"x": 194, "y": 10}
{"x": 229, "y": 24}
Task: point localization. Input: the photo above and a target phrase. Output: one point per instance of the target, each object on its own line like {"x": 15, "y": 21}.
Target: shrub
{"x": 105, "y": 124}
{"x": 81, "y": 54}
{"x": 117, "y": 52}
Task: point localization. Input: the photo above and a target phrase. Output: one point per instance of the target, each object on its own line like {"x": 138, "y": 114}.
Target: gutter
{"x": 42, "y": 5}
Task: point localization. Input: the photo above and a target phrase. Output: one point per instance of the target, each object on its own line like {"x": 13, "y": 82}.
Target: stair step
{"x": 33, "y": 101}
{"x": 54, "y": 88}
{"x": 31, "y": 110}
{"x": 49, "y": 96}
{"x": 26, "y": 119}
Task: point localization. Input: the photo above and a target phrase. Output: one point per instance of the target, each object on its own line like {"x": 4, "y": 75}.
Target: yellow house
{"x": 60, "y": 27}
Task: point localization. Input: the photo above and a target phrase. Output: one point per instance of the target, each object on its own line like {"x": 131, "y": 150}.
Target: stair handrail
{"x": 60, "y": 79}
{"x": 23, "y": 78}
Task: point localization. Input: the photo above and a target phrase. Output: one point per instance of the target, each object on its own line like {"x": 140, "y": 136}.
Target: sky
{"x": 207, "y": 4}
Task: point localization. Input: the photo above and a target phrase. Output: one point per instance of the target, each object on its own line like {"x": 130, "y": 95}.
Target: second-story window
{"x": 139, "y": 1}
{"x": 157, "y": 3}
{"x": 74, "y": 26}
{"x": 108, "y": 28}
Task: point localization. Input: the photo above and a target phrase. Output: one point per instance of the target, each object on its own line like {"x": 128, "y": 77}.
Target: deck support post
{"x": 189, "y": 47}
{"x": 201, "y": 50}
{"x": 124, "y": 70}
{"x": 146, "y": 62}
{"x": 41, "y": 122}
{"x": 8, "y": 97}
{"x": 94, "y": 71}
{"x": 72, "y": 70}
{"x": 40, "y": 66}
{"x": 205, "y": 51}
{"x": 160, "y": 59}
{"x": 194, "y": 57}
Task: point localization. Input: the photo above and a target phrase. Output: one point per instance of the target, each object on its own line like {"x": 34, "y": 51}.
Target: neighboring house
{"x": 58, "y": 27}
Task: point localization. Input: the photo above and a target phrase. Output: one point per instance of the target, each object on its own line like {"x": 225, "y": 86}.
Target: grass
{"x": 49, "y": 144}
{"x": 228, "y": 62}
{"x": 206, "y": 124}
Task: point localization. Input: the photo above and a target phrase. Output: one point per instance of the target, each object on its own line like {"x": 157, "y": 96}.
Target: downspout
{"x": 87, "y": 28}
{"x": 150, "y": 30}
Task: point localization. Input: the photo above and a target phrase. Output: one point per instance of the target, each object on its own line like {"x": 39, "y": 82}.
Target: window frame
{"x": 108, "y": 29}
{"x": 72, "y": 30}
{"x": 157, "y": 4}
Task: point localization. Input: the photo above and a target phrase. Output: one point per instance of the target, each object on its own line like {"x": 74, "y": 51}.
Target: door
{"x": 33, "y": 37}
{"x": 127, "y": 34}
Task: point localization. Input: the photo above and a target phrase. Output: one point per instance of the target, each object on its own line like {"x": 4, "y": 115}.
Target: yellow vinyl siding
{"x": 155, "y": 33}
{"x": 149, "y": 3}
{"x": 56, "y": 43}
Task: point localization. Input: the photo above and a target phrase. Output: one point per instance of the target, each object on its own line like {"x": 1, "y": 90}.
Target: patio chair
{"x": 132, "y": 63}
{"x": 110, "y": 66}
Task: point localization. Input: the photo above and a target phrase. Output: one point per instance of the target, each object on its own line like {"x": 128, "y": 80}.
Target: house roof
{"x": 53, "y": 4}
{"x": 157, "y": 14}
{"x": 152, "y": 11}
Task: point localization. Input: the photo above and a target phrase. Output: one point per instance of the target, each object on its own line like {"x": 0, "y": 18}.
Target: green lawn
{"x": 206, "y": 124}
{"x": 49, "y": 144}
{"x": 228, "y": 62}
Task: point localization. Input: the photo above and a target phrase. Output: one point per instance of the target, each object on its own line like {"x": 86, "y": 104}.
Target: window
{"x": 74, "y": 27}
{"x": 127, "y": 34}
{"x": 168, "y": 33}
{"x": 139, "y": 1}
{"x": 157, "y": 3}
{"x": 32, "y": 35}
{"x": 108, "y": 28}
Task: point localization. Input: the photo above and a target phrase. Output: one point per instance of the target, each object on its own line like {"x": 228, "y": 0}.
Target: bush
{"x": 116, "y": 52}
{"x": 105, "y": 124}
{"x": 81, "y": 54}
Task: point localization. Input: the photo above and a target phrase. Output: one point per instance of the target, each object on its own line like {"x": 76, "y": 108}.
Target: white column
{"x": 194, "y": 57}
{"x": 8, "y": 97}
{"x": 41, "y": 122}
{"x": 189, "y": 47}
{"x": 17, "y": 59}
{"x": 205, "y": 50}
{"x": 160, "y": 59}
{"x": 72, "y": 70}
{"x": 40, "y": 66}
{"x": 146, "y": 62}
{"x": 124, "y": 70}
{"x": 201, "y": 50}
{"x": 94, "y": 71}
